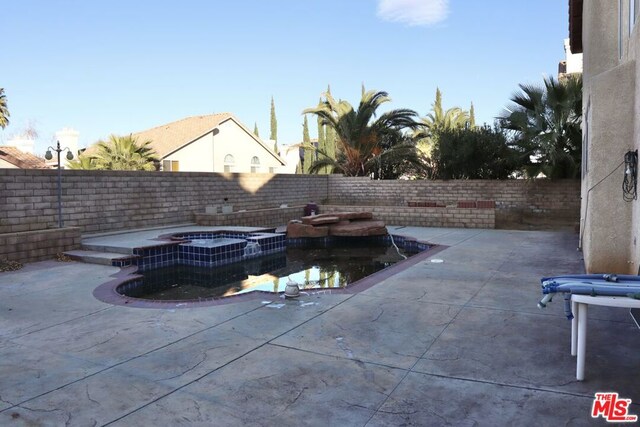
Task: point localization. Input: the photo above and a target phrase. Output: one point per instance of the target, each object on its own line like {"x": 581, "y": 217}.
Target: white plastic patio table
{"x": 579, "y": 305}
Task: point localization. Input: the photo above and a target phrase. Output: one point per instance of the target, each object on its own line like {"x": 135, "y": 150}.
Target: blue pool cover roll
{"x": 589, "y": 284}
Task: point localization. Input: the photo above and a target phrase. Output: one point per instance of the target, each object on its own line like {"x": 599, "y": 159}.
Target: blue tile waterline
{"x": 213, "y": 249}
{"x": 210, "y": 249}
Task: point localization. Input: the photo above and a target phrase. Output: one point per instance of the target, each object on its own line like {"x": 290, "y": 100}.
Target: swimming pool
{"x": 201, "y": 267}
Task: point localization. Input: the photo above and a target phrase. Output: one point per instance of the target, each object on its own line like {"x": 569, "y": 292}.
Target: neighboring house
{"x": 572, "y": 65}
{"x": 14, "y": 158}
{"x": 213, "y": 143}
{"x": 608, "y": 35}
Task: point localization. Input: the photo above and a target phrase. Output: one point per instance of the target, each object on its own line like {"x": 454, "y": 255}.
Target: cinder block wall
{"x": 424, "y": 217}
{"x": 31, "y": 246}
{"x": 517, "y": 201}
{"x": 254, "y": 218}
{"x": 99, "y": 201}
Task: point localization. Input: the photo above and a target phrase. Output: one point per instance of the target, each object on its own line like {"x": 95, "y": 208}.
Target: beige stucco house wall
{"x": 610, "y": 226}
{"x": 213, "y": 143}
{"x": 7, "y": 165}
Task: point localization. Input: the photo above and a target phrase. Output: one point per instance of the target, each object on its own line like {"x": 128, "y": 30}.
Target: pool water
{"x": 311, "y": 268}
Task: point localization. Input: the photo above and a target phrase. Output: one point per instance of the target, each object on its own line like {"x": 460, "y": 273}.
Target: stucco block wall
{"x": 31, "y": 246}
{"x": 99, "y": 201}
{"x": 255, "y": 218}
{"x": 517, "y": 201}
{"x": 422, "y": 216}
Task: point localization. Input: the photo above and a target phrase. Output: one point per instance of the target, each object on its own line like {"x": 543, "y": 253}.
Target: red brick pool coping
{"x": 106, "y": 292}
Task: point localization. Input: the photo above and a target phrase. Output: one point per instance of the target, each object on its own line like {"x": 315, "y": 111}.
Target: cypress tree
{"x": 306, "y": 140}
{"x": 255, "y": 130}
{"x": 472, "y": 117}
{"x": 437, "y": 105}
{"x": 330, "y": 145}
{"x": 321, "y": 136}
{"x": 274, "y": 127}
{"x": 330, "y": 139}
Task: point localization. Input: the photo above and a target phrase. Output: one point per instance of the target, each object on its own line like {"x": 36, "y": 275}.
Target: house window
{"x": 170, "y": 165}
{"x": 229, "y": 161}
{"x": 255, "y": 164}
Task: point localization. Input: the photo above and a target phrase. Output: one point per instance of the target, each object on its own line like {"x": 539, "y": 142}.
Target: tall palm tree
{"x": 125, "y": 153}
{"x": 545, "y": 123}
{"x": 4, "y": 111}
{"x": 361, "y": 136}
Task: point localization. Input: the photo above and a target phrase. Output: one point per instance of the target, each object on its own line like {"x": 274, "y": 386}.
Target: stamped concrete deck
{"x": 453, "y": 343}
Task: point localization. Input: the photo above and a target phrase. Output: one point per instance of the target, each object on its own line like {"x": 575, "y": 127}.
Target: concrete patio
{"x": 454, "y": 343}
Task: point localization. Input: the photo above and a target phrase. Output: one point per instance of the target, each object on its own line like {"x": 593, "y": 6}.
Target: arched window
{"x": 229, "y": 161}
{"x": 255, "y": 164}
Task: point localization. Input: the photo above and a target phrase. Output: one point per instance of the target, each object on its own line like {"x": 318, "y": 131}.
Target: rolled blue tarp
{"x": 589, "y": 284}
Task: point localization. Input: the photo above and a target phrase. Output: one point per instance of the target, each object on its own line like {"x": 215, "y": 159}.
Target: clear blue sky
{"x": 116, "y": 66}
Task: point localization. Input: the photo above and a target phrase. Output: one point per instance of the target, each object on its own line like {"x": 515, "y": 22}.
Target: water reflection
{"x": 311, "y": 268}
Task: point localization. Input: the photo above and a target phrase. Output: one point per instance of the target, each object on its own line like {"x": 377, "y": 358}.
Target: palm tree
{"x": 125, "y": 153}
{"x": 365, "y": 143}
{"x": 4, "y": 111}
{"x": 83, "y": 162}
{"x": 545, "y": 123}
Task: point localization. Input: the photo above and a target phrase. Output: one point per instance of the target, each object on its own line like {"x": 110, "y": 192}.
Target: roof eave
{"x": 575, "y": 25}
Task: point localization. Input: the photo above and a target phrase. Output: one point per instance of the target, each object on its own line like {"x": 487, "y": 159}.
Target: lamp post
{"x": 49, "y": 156}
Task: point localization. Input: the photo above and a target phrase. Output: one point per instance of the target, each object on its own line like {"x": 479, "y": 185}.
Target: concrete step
{"x": 96, "y": 257}
{"x": 109, "y": 249}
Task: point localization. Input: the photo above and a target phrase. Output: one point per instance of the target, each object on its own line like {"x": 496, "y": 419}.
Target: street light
{"x": 49, "y": 156}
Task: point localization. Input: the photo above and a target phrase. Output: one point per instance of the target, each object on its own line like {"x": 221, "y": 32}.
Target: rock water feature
{"x": 343, "y": 224}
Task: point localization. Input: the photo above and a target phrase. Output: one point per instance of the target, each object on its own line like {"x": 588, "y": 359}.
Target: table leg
{"x": 574, "y": 327}
{"x": 582, "y": 340}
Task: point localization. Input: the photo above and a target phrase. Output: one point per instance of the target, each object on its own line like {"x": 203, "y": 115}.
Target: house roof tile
{"x": 21, "y": 159}
{"x": 167, "y": 138}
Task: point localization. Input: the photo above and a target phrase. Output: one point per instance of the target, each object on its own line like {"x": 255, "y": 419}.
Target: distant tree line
{"x": 538, "y": 133}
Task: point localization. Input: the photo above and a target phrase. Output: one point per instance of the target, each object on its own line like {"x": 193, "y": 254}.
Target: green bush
{"x": 473, "y": 153}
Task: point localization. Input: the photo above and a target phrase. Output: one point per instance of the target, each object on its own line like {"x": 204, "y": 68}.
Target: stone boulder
{"x": 309, "y": 219}
{"x": 321, "y": 220}
{"x": 347, "y": 224}
{"x": 352, "y": 216}
{"x": 359, "y": 228}
{"x": 296, "y": 229}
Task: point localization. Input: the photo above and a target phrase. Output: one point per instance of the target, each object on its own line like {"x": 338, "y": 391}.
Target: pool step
{"x": 96, "y": 257}
{"x": 108, "y": 249}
